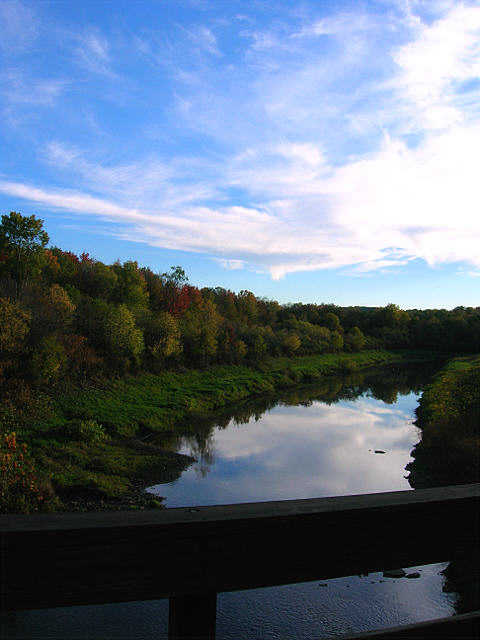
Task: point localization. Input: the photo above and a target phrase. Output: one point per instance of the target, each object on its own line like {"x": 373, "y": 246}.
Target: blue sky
{"x": 322, "y": 151}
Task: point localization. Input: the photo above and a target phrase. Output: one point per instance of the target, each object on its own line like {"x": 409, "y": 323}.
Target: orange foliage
{"x": 19, "y": 490}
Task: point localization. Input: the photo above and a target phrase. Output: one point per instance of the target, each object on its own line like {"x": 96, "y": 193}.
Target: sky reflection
{"x": 301, "y": 452}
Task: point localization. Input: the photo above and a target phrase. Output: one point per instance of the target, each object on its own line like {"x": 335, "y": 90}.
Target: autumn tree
{"x": 173, "y": 281}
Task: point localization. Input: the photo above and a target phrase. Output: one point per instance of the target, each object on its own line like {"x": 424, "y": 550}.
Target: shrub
{"x": 19, "y": 490}
{"x": 86, "y": 430}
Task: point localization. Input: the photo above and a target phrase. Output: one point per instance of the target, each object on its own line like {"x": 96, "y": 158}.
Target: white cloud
{"x": 231, "y": 265}
{"x": 69, "y": 201}
{"x": 203, "y": 38}
{"x": 20, "y": 89}
{"x": 435, "y": 65}
{"x": 92, "y": 52}
{"x": 324, "y": 146}
{"x": 18, "y": 27}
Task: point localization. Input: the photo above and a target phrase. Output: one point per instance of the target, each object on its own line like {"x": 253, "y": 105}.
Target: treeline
{"x": 66, "y": 315}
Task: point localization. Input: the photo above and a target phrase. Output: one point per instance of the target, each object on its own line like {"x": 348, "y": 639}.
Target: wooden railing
{"x": 190, "y": 554}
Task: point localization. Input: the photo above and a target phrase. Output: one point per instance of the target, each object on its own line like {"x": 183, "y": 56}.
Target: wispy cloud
{"x": 20, "y": 89}
{"x": 92, "y": 52}
{"x": 342, "y": 142}
{"x": 18, "y": 27}
{"x": 435, "y": 68}
{"x": 203, "y": 40}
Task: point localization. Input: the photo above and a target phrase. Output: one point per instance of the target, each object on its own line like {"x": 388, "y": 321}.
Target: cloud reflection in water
{"x": 302, "y": 452}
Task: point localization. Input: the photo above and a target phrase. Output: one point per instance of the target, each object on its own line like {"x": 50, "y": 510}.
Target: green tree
{"x": 123, "y": 340}
{"x": 336, "y": 341}
{"x": 111, "y": 330}
{"x": 200, "y": 326}
{"x": 291, "y": 343}
{"x": 53, "y": 312}
{"x": 247, "y": 307}
{"x": 49, "y": 359}
{"x": 168, "y": 339}
{"x": 332, "y": 322}
{"x": 131, "y": 288}
{"x": 354, "y": 340}
{"x": 14, "y": 329}
{"x": 22, "y": 241}
{"x": 97, "y": 279}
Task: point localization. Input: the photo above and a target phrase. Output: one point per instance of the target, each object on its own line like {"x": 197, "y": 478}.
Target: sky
{"x": 322, "y": 151}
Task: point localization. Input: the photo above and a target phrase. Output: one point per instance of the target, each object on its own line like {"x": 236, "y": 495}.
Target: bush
{"x": 19, "y": 489}
{"x": 86, "y": 430}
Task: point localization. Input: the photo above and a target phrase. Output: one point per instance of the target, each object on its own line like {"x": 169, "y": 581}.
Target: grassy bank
{"x": 130, "y": 405}
{"x": 88, "y": 441}
{"x": 449, "y": 416}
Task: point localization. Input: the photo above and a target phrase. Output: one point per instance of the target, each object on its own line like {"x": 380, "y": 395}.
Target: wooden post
{"x": 192, "y": 617}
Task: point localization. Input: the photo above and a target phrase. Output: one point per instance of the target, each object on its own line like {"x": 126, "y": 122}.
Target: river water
{"x": 346, "y": 436}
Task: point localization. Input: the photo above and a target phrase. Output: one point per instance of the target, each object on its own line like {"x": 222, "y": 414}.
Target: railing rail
{"x": 191, "y": 554}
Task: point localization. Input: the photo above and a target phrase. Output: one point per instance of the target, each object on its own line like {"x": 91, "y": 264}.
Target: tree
{"x": 131, "y": 288}
{"x": 332, "y": 322}
{"x": 167, "y": 341}
{"x": 336, "y": 341}
{"x": 111, "y": 330}
{"x": 291, "y": 342}
{"x": 173, "y": 283}
{"x": 122, "y": 339}
{"x": 22, "y": 240}
{"x": 355, "y": 340}
{"x": 96, "y": 279}
{"x": 200, "y": 326}
{"x": 54, "y": 312}
{"x": 14, "y": 328}
{"x": 247, "y": 307}
{"x": 49, "y": 359}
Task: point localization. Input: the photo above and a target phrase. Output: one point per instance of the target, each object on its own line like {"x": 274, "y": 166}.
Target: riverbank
{"x": 449, "y": 417}
{"x": 90, "y": 442}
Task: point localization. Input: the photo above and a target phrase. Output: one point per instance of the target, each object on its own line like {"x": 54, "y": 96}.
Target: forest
{"x": 68, "y": 316}
{"x": 81, "y": 341}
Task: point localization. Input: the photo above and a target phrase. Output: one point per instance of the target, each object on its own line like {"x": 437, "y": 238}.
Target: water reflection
{"x": 317, "y": 440}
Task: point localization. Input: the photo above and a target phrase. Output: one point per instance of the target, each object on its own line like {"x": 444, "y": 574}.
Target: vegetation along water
{"x": 95, "y": 359}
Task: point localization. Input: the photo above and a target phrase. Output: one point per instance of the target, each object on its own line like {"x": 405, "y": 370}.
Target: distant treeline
{"x": 65, "y": 315}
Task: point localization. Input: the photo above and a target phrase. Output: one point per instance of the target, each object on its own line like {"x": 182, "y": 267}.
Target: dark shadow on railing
{"x": 191, "y": 554}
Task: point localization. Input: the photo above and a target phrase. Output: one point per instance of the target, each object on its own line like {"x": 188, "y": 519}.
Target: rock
{"x": 394, "y": 573}
{"x": 415, "y": 574}
{"x": 379, "y": 451}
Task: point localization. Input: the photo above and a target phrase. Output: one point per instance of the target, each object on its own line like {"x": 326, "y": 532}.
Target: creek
{"x": 347, "y": 435}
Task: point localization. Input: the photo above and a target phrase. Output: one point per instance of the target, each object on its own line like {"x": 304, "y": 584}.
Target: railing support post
{"x": 192, "y": 617}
